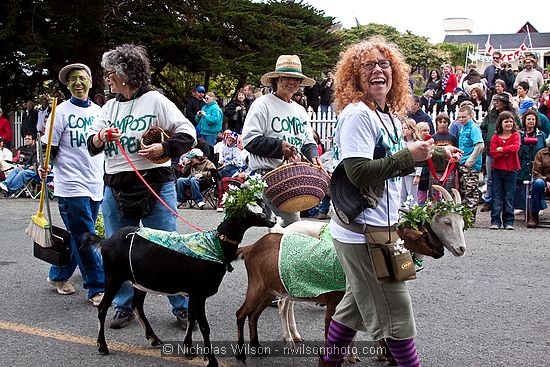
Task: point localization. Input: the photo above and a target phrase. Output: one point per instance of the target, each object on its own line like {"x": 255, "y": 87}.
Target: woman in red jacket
{"x": 504, "y": 151}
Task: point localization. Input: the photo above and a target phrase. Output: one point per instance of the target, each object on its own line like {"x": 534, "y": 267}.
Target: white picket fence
{"x": 325, "y": 123}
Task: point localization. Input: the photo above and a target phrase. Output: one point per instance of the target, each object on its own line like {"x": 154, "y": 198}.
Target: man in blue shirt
{"x": 470, "y": 141}
{"x": 418, "y": 115}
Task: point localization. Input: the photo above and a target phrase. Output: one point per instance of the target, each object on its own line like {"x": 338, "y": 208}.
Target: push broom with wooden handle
{"x": 39, "y": 230}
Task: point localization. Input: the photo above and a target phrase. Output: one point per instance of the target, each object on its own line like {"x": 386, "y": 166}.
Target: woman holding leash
{"x": 371, "y": 88}
{"x": 124, "y": 120}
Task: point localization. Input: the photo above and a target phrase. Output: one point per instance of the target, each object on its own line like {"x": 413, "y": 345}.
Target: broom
{"x": 39, "y": 229}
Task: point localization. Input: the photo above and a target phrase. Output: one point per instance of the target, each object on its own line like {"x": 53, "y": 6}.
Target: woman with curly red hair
{"x": 372, "y": 87}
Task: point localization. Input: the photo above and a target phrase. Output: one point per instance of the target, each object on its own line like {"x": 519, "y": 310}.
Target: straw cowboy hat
{"x": 287, "y": 65}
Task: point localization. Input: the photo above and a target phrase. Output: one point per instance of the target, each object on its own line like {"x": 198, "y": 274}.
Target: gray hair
{"x": 129, "y": 61}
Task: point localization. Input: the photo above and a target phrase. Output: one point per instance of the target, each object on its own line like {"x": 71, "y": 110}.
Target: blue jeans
{"x": 159, "y": 218}
{"x": 488, "y": 197}
{"x": 17, "y": 178}
{"x": 502, "y": 208}
{"x": 184, "y": 184}
{"x": 79, "y": 215}
{"x": 537, "y": 195}
{"x": 228, "y": 171}
{"x": 210, "y": 139}
{"x": 324, "y": 206}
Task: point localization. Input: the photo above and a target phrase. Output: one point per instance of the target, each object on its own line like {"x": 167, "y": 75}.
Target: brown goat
{"x": 264, "y": 283}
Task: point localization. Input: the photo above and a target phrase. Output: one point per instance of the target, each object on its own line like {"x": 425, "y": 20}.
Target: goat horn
{"x": 456, "y": 194}
{"x": 443, "y": 192}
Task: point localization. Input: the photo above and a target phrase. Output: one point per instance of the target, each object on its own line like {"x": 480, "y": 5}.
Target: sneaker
{"x": 183, "y": 204}
{"x": 121, "y": 319}
{"x": 96, "y": 300}
{"x": 509, "y": 227}
{"x": 494, "y": 226}
{"x": 201, "y": 204}
{"x": 219, "y": 209}
{"x": 322, "y": 216}
{"x": 62, "y": 287}
{"x": 486, "y": 207}
{"x": 3, "y": 187}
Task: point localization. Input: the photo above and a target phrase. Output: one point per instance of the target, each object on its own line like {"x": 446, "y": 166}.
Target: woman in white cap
{"x": 78, "y": 182}
{"x": 276, "y": 127}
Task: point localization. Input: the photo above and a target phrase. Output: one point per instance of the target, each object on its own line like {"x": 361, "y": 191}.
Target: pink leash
{"x": 153, "y": 191}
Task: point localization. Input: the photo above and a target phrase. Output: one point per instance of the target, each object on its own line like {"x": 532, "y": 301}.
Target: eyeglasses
{"x": 108, "y": 73}
{"x": 369, "y": 65}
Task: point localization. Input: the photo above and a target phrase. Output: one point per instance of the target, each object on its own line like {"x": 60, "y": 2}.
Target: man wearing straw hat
{"x": 78, "y": 182}
{"x": 277, "y": 128}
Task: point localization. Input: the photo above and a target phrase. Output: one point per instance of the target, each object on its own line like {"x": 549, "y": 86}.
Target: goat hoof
{"x": 298, "y": 340}
{"x": 351, "y": 359}
{"x": 157, "y": 343}
{"x": 213, "y": 363}
{"x": 103, "y": 351}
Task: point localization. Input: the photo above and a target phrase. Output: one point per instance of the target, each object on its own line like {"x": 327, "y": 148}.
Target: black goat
{"x": 151, "y": 267}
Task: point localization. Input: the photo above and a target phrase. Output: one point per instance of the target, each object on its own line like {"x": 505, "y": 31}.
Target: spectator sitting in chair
{"x": 25, "y": 170}
{"x": 540, "y": 185}
{"x": 5, "y": 157}
{"x": 195, "y": 171}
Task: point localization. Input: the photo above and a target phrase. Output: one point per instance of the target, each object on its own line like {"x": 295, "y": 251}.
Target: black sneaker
{"x": 121, "y": 319}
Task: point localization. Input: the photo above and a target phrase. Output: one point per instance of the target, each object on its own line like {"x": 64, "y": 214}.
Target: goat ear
{"x": 456, "y": 194}
{"x": 254, "y": 208}
{"x": 409, "y": 234}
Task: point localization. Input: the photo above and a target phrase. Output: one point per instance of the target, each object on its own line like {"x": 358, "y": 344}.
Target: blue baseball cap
{"x": 200, "y": 89}
{"x": 525, "y": 105}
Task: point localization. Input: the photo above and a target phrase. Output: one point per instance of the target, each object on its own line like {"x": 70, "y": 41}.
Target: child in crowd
{"x": 422, "y": 130}
{"x": 409, "y": 183}
{"x": 504, "y": 151}
{"x": 231, "y": 160}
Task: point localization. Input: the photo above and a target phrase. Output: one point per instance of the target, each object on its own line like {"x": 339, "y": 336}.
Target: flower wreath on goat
{"x": 206, "y": 245}
{"x": 414, "y": 222}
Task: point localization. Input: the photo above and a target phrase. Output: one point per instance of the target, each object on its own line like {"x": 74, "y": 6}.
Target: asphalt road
{"x": 488, "y": 308}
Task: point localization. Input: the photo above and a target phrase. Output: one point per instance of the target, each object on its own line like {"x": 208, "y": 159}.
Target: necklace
{"x": 393, "y": 140}
{"x": 118, "y": 108}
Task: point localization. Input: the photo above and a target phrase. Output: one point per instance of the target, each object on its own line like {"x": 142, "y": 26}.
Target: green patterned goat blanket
{"x": 309, "y": 267}
{"x": 200, "y": 245}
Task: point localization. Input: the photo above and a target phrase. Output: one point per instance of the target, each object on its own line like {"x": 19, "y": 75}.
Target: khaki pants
{"x": 383, "y": 310}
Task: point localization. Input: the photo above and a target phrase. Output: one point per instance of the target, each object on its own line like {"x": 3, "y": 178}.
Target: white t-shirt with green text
{"x": 358, "y": 130}
{"x": 269, "y": 116}
{"x": 76, "y": 173}
{"x": 133, "y": 118}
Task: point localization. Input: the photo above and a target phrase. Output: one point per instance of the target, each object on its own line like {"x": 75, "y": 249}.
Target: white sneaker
{"x": 219, "y": 209}
{"x": 96, "y": 300}
{"x": 3, "y": 187}
{"x": 201, "y": 204}
{"x": 63, "y": 288}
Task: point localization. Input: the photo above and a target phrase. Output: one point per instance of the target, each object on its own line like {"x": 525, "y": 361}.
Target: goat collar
{"x": 224, "y": 238}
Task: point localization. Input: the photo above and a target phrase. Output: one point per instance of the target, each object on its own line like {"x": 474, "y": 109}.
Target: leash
{"x": 443, "y": 179}
{"x": 153, "y": 191}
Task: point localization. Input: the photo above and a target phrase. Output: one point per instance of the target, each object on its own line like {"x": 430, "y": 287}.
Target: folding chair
{"x": 33, "y": 187}
{"x": 209, "y": 190}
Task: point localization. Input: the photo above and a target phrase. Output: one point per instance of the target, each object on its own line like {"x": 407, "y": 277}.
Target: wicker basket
{"x": 294, "y": 187}
{"x": 155, "y": 135}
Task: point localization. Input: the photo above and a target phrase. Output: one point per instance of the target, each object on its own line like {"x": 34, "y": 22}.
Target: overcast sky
{"x": 425, "y": 17}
